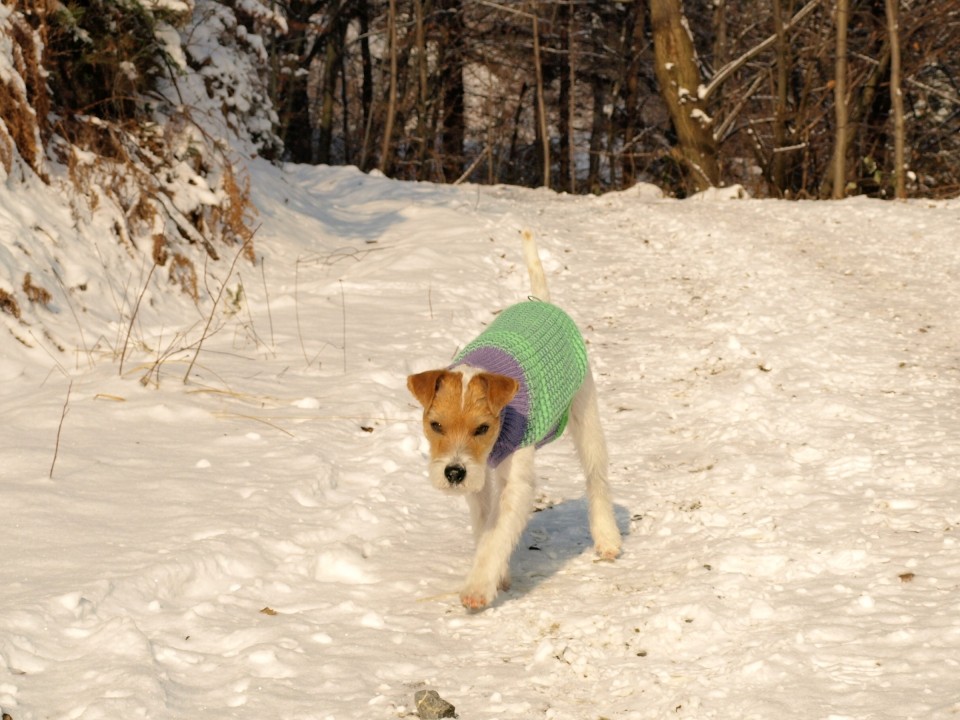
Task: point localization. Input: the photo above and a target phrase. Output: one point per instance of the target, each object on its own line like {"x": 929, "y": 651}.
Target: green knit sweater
{"x": 539, "y": 346}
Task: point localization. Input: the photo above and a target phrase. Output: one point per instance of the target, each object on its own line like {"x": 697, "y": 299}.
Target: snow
{"x": 701, "y": 117}
{"x": 780, "y": 384}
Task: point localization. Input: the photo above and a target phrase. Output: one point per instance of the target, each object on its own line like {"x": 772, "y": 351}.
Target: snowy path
{"x": 781, "y": 392}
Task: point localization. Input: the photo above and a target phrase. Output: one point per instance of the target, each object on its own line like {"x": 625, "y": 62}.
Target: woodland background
{"x": 588, "y": 95}
{"x": 145, "y": 111}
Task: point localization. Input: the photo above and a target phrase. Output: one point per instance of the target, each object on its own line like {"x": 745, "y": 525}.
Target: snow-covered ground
{"x": 780, "y": 386}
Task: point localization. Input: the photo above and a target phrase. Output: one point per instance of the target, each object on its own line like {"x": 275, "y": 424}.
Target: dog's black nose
{"x": 455, "y": 474}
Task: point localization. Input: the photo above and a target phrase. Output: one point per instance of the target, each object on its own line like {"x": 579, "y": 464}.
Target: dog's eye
{"x": 437, "y": 428}
{"x": 481, "y": 430}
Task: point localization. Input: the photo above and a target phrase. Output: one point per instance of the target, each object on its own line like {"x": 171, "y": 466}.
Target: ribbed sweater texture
{"x": 539, "y": 346}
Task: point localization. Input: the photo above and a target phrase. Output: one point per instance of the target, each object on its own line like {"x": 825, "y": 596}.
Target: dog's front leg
{"x": 483, "y": 508}
{"x": 504, "y": 525}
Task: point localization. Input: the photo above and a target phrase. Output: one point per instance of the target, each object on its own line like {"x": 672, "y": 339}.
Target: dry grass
{"x": 8, "y": 304}
{"x": 22, "y": 104}
{"x": 124, "y": 175}
{"x": 11, "y": 122}
{"x": 238, "y": 213}
{"x": 160, "y": 252}
{"x": 184, "y": 273}
{"x": 35, "y": 293}
{"x": 137, "y": 177}
{"x": 6, "y": 144}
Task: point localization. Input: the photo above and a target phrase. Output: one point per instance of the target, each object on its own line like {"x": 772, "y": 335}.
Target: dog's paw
{"x": 475, "y": 600}
{"x": 607, "y": 551}
{"x": 478, "y": 594}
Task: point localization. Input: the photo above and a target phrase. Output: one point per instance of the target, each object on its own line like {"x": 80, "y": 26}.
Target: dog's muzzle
{"x": 455, "y": 474}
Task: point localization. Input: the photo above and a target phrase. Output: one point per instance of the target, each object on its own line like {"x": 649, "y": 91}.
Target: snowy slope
{"x": 780, "y": 385}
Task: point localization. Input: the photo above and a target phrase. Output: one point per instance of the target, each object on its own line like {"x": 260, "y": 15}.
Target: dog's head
{"x": 461, "y": 419}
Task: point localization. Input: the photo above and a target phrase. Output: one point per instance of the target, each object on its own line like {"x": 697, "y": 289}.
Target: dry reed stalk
{"x": 63, "y": 415}
{"x": 243, "y": 249}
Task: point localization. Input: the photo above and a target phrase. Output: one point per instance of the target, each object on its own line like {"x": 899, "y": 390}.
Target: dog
{"x": 513, "y": 389}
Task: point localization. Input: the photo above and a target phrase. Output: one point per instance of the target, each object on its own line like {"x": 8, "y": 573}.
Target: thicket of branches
{"x": 102, "y": 100}
{"x": 128, "y": 123}
{"x": 587, "y": 95}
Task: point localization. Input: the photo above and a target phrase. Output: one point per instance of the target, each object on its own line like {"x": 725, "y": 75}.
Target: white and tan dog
{"x": 513, "y": 389}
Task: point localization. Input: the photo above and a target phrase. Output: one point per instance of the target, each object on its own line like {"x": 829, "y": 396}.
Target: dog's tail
{"x": 538, "y": 279}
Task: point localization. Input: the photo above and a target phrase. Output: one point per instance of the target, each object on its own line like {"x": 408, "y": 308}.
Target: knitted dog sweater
{"x": 538, "y": 345}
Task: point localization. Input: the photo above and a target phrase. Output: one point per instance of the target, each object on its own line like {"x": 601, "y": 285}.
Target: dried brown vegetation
{"x": 83, "y": 96}
{"x": 24, "y": 104}
{"x": 35, "y": 294}
{"x": 8, "y": 304}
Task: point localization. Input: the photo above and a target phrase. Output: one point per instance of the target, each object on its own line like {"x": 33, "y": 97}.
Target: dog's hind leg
{"x": 592, "y": 449}
{"x": 491, "y": 566}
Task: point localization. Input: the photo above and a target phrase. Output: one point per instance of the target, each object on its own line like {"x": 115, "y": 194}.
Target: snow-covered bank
{"x": 779, "y": 384}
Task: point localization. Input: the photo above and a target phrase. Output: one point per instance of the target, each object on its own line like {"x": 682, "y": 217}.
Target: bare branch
{"x": 952, "y": 98}
{"x": 731, "y": 67}
{"x": 247, "y": 243}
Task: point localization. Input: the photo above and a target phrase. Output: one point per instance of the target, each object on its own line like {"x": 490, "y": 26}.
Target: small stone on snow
{"x": 431, "y": 706}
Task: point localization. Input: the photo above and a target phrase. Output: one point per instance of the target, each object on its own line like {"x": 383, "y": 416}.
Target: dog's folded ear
{"x": 424, "y": 385}
{"x": 500, "y": 389}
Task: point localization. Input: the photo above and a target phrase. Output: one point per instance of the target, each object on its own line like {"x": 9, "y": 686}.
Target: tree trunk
{"x": 542, "y": 131}
{"x": 512, "y": 162}
{"x": 778, "y": 165}
{"x": 565, "y": 101}
{"x": 598, "y": 131}
{"x": 633, "y": 42}
{"x": 386, "y": 151}
{"x": 839, "y": 179}
{"x": 345, "y": 133}
{"x": 331, "y": 63}
{"x": 863, "y": 102}
{"x": 422, "y": 89}
{"x": 453, "y": 125}
{"x": 366, "y": 91}
{"x": 292, "y": 93}
{"x": 679, "y": 80}
{"x": 896, "y": 97}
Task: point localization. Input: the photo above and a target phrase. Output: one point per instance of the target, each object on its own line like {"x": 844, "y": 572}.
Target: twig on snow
{"x": 63, "y": 415}
{"x": 216, "y": 302}
{"x": 296, "y": 309}
{"x": 133, "y": 316}
{"x": 343, "y": 311}
{"x": 263, "y": 275}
